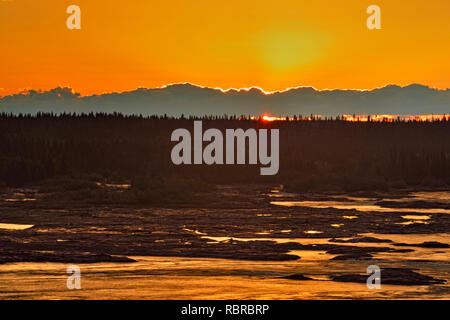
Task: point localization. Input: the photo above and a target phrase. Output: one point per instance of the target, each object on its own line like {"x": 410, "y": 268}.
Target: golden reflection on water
{"x": 337, "y": 225}
{"x": 415, "y": 217}
{"x": 351, "y": 205}
{"x": 198, "y": 278}
{"x": 365, "y": 204}
{"x": 13, "y": 226}
{"x": 313, "y": 232}
{"x": 406, "y": 223}
{"x": 441, "y": 196}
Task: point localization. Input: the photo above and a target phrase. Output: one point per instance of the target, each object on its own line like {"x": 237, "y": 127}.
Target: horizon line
{"x": 247, "y": 89}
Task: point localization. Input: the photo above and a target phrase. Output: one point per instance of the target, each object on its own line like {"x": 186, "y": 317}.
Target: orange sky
{"x": 271, "y": 44}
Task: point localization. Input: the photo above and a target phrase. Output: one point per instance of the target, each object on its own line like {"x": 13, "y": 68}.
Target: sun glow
{"x": 270, "y": 118}
{"x": 394, "y": 117}
{"x": 360, "y": 118}
{"x": 272, "y": 45}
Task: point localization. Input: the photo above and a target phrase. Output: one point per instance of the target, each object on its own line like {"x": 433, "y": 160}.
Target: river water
{"x": 208, "y": 278}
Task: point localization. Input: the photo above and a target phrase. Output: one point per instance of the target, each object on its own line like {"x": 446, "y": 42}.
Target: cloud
{"x": 190, "y": 99}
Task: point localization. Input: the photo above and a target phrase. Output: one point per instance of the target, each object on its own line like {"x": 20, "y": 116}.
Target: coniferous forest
{"x": 72, "y": 153}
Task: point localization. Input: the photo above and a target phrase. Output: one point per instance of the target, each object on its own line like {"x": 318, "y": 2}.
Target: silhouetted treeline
{"x": 314, "y": 155}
